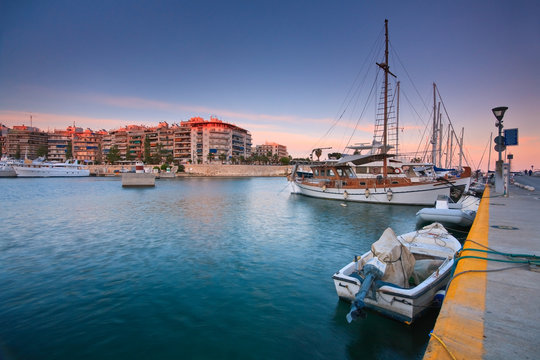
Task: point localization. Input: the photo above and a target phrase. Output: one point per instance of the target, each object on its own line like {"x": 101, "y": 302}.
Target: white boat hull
{"x": 446, "y": 216}
{"x": 416, "y": 194}
{"x": 50, "y": 171}
{"x": 404, "y": 305}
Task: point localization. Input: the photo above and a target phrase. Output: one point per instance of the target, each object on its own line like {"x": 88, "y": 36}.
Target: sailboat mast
{"x": 397, "y": 121}
{"x": 434, "y": 135}
{"x": 385, "y": 130}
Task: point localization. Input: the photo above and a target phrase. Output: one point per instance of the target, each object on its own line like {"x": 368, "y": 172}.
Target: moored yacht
{"x": 51, "y": 169}
{"x": 378, "y": 176}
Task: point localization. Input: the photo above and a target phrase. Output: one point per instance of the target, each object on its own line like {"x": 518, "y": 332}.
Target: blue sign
{"x": 511, "y": 136}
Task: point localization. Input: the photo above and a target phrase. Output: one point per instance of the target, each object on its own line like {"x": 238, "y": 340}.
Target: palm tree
{"x": 210, "y": 157}
{"x": 318, "y": 153}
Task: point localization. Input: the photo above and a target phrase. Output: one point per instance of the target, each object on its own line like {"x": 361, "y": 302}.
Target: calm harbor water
{"x": 195, "y": 268}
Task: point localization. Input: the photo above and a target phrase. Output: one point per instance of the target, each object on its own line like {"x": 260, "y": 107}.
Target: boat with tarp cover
{"x": 401, "y": 276}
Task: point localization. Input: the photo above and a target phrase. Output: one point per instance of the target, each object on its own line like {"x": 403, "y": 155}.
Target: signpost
{"x": 511, "y": 137}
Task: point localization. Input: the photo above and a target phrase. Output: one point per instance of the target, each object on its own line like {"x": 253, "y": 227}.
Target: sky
{"x": 284, "y": 70}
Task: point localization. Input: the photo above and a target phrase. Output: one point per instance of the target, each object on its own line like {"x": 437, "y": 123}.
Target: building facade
{"x": 25, "y": 141}
{"x": 272, "y": 149}
{"x": 217, "y": 141}
{"x": 193, "y": 141}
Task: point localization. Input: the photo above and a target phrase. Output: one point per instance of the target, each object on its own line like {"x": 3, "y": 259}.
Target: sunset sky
{"x": 280, "y": 69}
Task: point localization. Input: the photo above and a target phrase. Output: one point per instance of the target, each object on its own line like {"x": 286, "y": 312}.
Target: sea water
{"x": 195, "y": 268}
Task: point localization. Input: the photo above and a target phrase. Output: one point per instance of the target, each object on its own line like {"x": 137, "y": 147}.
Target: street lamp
{"x": 499, "y": 114}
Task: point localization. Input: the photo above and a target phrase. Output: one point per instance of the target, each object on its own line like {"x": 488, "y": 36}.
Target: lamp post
{"x": 499, "y": 114}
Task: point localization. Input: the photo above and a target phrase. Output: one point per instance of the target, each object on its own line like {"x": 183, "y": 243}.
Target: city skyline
{"x": 280, "y": 70}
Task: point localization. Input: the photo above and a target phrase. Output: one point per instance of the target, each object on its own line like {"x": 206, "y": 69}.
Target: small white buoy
{"x": 343, "y": 204}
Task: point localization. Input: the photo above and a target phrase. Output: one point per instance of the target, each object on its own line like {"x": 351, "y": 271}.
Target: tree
{"x": 169, "y": 158}
{"x": 147, "y": 157}
{"x": 210, "y": 157}
{"x": 285, "y": 160}
{"x": 335, "y": 155}
{"x": 113, "y": 155}
{"x": 129, "y": 156}
{"x": 157, "y": 157}
{"x": 222, "y": 157}
{"x": 18, "y": 152}
{"x": 99, "y": 155}
{"x": 69, "y": 150}
{"x": 318, "y": 153}
{"x": 43, "y": 150}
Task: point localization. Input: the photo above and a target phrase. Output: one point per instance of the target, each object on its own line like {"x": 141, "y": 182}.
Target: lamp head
{"x": 499, "y": 112}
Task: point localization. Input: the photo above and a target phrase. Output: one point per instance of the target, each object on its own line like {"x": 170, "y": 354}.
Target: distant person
{"x": 530, "y": 172}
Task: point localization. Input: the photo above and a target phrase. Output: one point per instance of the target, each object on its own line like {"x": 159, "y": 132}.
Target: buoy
{"x": 397, "y": 170}
{"x": 324, "y": 188}
{"x": 439, "y": 298}
{"x": 345, "y": 194}
{"x": 343, "y": 204}
{"x": 389, "y": 194}
{"x": 367, "y": 193}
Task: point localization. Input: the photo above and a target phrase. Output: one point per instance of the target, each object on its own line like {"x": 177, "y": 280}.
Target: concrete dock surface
{"x": 492, "y": 308}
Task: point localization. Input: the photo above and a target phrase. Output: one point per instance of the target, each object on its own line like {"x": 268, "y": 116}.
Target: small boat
{"x": 448, "y": 213}
{"x": 401, "y": 275}
{"x": 6, "y": 168}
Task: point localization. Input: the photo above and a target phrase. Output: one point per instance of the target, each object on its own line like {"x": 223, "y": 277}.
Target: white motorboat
{"x": 51, "y": 169}
{"x": 6, "y": 167}
{"x": 401, "y": 275}
{"x": 448, "y": 213}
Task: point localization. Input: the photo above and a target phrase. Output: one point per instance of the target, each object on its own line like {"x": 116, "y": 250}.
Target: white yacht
{"x": 6, "y": 167}
{"x": 51, "y": 169}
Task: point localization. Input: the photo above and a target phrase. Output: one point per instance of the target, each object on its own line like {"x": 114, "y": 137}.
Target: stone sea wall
{"x": 236, "y": 170}
{"x": 203, "y": 170}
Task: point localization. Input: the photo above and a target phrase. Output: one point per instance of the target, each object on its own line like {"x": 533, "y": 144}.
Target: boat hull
{"x": 46, "y": 171}
{"x": 402, "y": 304}
{"x": 415, "y": 194}
{"x": 446, "y": 217}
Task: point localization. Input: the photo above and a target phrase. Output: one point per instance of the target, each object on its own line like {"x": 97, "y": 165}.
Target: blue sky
{"x": 281, "y": 69}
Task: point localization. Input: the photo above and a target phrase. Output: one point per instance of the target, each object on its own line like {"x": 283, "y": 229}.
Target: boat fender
{"x": 439, "y": 298}
{"x": 345, "y": 194}
{"x": 366, "y": 193}
{"x": 324, "y": 188}
{"x": 397, "y": 171}
{"x": 389, "y": 195}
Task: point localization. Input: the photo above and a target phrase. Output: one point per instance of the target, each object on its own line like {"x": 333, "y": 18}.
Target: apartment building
{"x": 271, "y": 148}
{"x": 217, "y": 141}
{"x": 196, "y": 140}
{"x": 24, "y": 141}
{"x": 87, "y": 146}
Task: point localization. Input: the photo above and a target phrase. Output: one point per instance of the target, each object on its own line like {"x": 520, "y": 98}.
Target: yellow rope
{"x": 443, "y": 344}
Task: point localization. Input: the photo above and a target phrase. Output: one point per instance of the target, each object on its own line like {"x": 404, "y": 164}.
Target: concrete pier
{"x": 138, "y": 179}
{"x": 491, "y": 309}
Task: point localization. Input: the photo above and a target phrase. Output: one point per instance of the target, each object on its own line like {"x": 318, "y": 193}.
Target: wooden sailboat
{"x": 391, "y": 182}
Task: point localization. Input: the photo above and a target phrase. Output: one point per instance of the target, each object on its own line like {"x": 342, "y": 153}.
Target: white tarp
{"x": 398, "y": 259}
